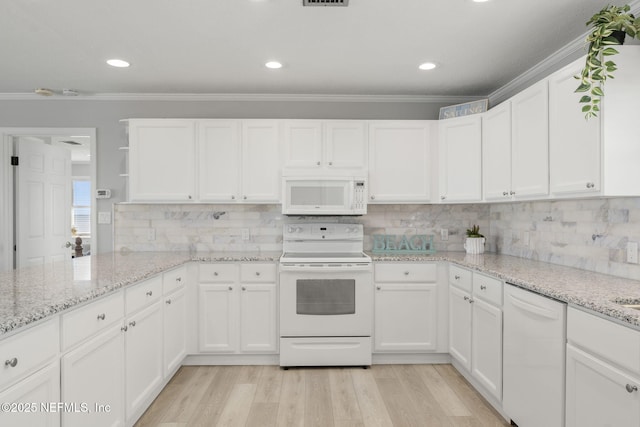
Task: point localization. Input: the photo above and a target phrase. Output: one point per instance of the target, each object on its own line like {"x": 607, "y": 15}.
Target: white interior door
{"x": 42, "y": 202}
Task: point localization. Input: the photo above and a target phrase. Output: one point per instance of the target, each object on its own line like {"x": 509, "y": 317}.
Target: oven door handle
{"x": 320, "y": 268}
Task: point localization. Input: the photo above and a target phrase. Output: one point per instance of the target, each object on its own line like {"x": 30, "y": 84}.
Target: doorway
{"x": 80, "y": 215}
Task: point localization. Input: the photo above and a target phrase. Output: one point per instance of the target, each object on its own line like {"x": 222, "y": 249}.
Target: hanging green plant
{"x": 610, "y": 26}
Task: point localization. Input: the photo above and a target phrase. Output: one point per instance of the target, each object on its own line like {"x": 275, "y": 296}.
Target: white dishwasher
{"x": 533, "y": 358}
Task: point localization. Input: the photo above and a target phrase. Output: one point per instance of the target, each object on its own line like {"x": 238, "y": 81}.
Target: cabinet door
{"x": 460, "y": 153}
{"x": 405, "y": 317}
{"x": 460, "y": 326}
{"x": 162, "y": 160}
{"x": 399, "y": 161}
{"x": 175, "y": 330}
{"x": 345, "y": 145}
{"x": 530, "y": 142}
{"x": 94, "y": 373}
{"x": 574, "y": 143}
{"x": 218, "y": 313}
{"x": 486, "y": 346}
{"x": 261, "y": 161}
{"x": 258, "y": 315}
{"x": 219, "y": 160}
{"x": 143, "y": 358}
{"x": 40, "y": 388}
{"x": 496, "y": 153}
{"x": 303, "y": 144}
{"x": 598, "y": 394}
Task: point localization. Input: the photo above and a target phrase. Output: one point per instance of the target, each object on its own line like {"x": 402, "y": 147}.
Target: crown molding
{"x": 242, "y": 97}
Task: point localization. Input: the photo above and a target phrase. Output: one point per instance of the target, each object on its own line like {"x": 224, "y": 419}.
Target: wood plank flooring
{"x": 263, "y": 396}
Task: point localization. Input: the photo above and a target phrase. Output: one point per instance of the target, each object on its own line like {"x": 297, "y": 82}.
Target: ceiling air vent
{"x": 325, "y": 2}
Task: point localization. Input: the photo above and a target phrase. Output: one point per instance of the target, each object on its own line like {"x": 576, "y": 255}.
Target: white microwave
{"x": 333, "y": 195}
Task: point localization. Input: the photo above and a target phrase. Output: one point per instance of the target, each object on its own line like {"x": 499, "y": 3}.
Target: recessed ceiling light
{"x": 120, "y": 63}
{"x": 427, "y": 66}
{"x": 273, "y": 64}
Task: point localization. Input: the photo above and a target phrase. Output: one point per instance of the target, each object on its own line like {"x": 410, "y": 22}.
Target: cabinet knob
{"x": 230, "y": 288}
{"x": 257, "y": 273}
{"x": 373, "y": 197}
{"x": 13, "y": 362}
{"x": 168, "y": 301}
{"x": 630, "y": 388}
{"x": 512, "y": 193}
{"x": 125, "y": 328}
{"x": 189, "y": 197}
{"x": 505, "y": 193}
{"x": 466, "y": 298}
{"x": 244, "y": 197}
{"x": 233, "y": 197}
{"x": 178, "y": 279}
{"x": 443, "y": 197}
{"x": 101, "y": 316}
{"x": 244, "y": 288}
{"x": 406, "y": 273}
{"x": 471, "y": 300}
{"x": 132, "y": 324}
{"x": 378, "y": 287}
{"x": 456, "y": 277}
{"x": 330, "y": 163}
{"x": 215, "y": 273}
{"x": 149, "y": 293}
{"x": 318, "y": 163}
{"x": 590, "y": 185}
{"x": 483, "y": 287}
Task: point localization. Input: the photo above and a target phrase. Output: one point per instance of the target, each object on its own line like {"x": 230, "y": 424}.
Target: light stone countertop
{"x": 34, "y": 293}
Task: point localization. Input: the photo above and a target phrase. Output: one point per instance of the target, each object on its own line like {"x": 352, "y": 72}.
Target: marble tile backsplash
{"x": 586, "y": 234}
{"x": 171, "y": 227}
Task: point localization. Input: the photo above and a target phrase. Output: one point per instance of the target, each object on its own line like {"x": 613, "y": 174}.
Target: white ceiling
{"x": 371, "y": 47}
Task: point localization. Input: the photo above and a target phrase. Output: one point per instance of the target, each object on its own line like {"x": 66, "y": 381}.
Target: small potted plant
{"x": 610, "y": 26}
{"x": 474, "y": 243}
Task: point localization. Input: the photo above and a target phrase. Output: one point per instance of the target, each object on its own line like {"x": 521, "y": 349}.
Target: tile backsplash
{"x": 587, "y": 234}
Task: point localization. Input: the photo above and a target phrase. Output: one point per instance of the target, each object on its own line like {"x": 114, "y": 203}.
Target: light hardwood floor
{"x": 262, "y": 396}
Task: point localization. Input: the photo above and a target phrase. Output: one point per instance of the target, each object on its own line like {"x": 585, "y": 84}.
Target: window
{"x": 81, "y": 207}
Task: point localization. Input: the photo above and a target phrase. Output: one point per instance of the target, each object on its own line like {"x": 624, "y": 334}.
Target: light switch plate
{"x": 444, "y": 234}
{"x": 104, "y": 217}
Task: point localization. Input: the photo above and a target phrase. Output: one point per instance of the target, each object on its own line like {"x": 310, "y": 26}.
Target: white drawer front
{"x": 487, "y": 288}
{"x": 617, "y": 343}
{"x": 94, "y": 317}
{"x": 258, "y": 273}
{"x": 28, "y": 350}
{"x": 406, "y": 272}
{"x": 460, "y": 277}
{"x": 143, "y": 294}
{"x": 174, "y": 279}
{"x": 212, "y": 273}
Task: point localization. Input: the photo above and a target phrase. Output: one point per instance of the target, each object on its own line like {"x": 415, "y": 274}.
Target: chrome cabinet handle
{"x": 132, "y": 324}
{"x": 483, "y": 287}
{"x": 318, "y": 163}
{"x": 101, "y": 316}
{"x": 443, "y": 197}
{"x": 512, "y": 193}
{"x": 125, "y": 328}
{"x": 189, "y": 197}
{"x": 230, "y": 288}
{"x": 257, "y": 273}
{"x": 630, "y": 388}
{"x": 406, "y": 273}
{"x": 471, "y": 300}
{"x": 149, "y": 293}
{"x": 373, "y": 197}
{"x": 456, "y": 277}
{"x": 378, "y": 287}
{"x": 215, "y": 273}
{"x": 590, "y": 185}
{"x": 505, "y": 193}
{"x": 466, "y": 298}
{"x": 244, "y": 197}
{"x": 13, "y": 362}
{"x": 233, "y": 197}
{"x": 244, "y": 288}
{"x": 330, "y": 163}
{"x": 178, "y": 279}
{"x": 168, "y": 301}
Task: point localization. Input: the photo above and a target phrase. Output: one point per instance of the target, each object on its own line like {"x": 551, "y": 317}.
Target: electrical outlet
{"x": 246, "y": 235}
{"x": 151, "y": 234}
{"x": 632, "y": 252}
{"x": 444, "y": 234}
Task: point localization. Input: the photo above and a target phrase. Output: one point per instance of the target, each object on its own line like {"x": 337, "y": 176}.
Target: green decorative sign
{"x": 403, "y": 244}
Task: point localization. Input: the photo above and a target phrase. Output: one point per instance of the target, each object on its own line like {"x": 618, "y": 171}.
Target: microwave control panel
{"x": 359, "y": 194}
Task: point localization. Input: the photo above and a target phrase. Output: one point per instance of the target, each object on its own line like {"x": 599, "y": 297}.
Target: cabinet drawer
{"x": 258, "y": 273}
{"x": 406, "y": 272}
{"x": 487, "y": 288}
{"x": 617, "y": 343}
{"x": 460, "y": 277}
{"x": 143, "y": 294}
{"x": 174, "y": 279}
{"x": 28, "y": 350}
{"x": 211, "y": 273}
{"x": 94, "y": 317}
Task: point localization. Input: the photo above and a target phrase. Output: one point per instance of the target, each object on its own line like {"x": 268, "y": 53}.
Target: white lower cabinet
{"x": 406, "y": 307}
{"x": 41, "y": 389}
{"x": 94, "y": 374}
{"x": 143, "y": 358}
{"x": 237, "y": 308}
{"x": 175, "y": 329}
{"x": 603, "y": 372}
{"x": 475, "y": 326}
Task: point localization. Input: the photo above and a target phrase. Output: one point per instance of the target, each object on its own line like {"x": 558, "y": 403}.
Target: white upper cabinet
{"x": 460, "y": 154}
{"x": 325, "y": 146}
{"x": 400, "y": 161}
{"x": 530, "y": 142}
{"x": 219, "y": 160}
{"x": 261, "y": 161}
{"x": 162, "y": 160}
{"x": 574, "y": 143}
{"x": 496, "y": 153}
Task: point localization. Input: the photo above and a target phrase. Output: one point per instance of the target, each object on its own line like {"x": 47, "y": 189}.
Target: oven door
{"x": 326, "y": 301}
